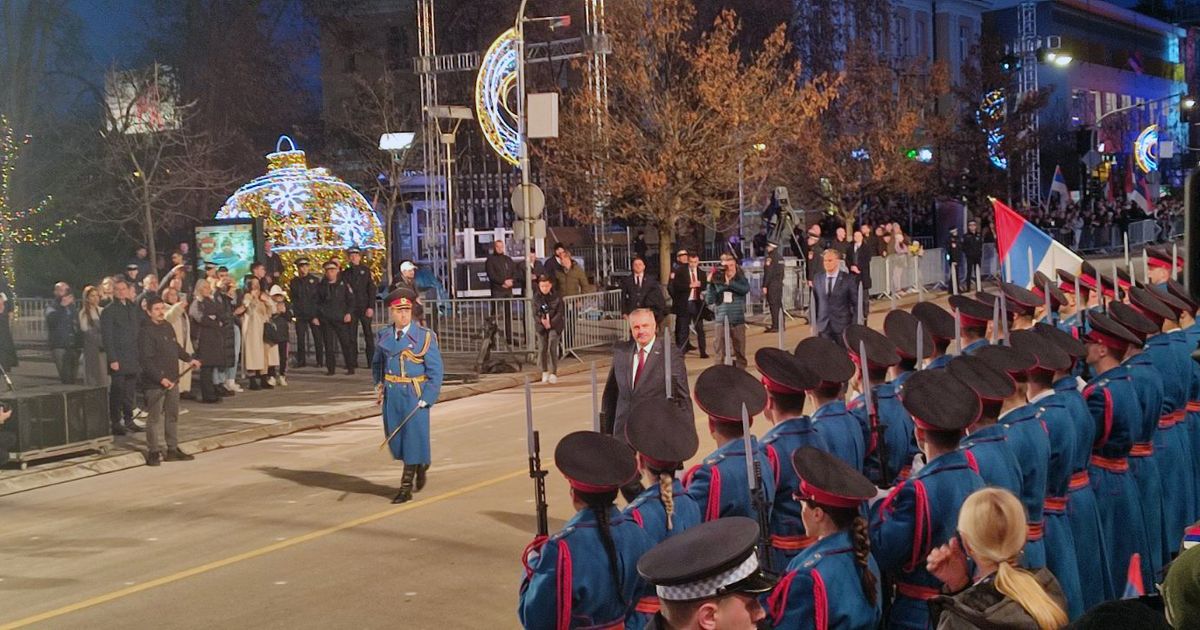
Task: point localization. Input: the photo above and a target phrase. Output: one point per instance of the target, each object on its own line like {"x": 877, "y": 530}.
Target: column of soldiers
{"x": 1076, "y": 404}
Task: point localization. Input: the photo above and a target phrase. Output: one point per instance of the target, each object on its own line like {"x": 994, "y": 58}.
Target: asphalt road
{"x": 297, "y": 532}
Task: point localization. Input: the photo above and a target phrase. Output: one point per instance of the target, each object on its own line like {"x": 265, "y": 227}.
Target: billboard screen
{"x": 231, "y": 244}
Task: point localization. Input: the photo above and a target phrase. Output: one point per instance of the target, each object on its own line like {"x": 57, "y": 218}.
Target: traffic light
{"x": 1010, "y": 63}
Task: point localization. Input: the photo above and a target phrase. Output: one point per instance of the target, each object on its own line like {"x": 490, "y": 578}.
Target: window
{"x": 901, "y": 36}
{"x": 1126, "y": 101}
{"x": 1110, "y": 102}
{"x": 964, "y": 37}
{"x": 922, "y": 44}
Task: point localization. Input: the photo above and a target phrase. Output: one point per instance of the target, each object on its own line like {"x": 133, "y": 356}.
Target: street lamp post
{"x": 760, "y": 147}
{"x": 457, "y": 114}
{"x": 523, "y": 164}
{"x": 397, "y": 144}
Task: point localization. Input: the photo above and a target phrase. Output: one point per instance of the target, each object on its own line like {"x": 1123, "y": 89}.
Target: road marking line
{"x": 255, "y": 553}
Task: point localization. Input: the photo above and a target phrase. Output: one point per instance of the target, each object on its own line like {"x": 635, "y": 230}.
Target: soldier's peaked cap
{"x": 881, "y": 352}
{"x": 937, "y": 320}
{"x": 1061, "y": 338}
{"x": 1049, "y": 356}
{"x": 1107, "y": 332}
{"x": 827, "y": 360}
{"x": 1007, "y": 359}
{"x": 901, "y": 328}
{"x": 708, "y": 560}
{"x": 782, "y": 372}
{"x": 721, "y": 389}
{"x": 594, "y": 462}
{"x": 988, "y": 382}
{"x": 664, "y": 435}
{"x": 937, "y": 401}
{"x": 827, "y": 480}
{"x": 972, "y": 311}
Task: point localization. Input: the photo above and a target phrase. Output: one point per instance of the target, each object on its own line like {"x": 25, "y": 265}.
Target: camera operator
{"x": 550, "y": 324}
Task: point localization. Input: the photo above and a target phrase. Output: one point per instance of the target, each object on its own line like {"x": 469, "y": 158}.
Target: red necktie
{"x": 637, "y": 372}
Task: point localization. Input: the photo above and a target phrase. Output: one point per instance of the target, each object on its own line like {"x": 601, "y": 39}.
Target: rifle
{"x": 878, "y": 429}
{"x": 758, "y": 495}
{"x": 535, "y": 466}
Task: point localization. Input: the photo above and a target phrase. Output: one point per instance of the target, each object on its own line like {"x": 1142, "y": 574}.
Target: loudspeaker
{"x": 55, "y": 416}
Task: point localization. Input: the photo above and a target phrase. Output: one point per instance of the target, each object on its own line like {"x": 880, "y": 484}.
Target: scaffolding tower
{"x": 1031, "y": 178}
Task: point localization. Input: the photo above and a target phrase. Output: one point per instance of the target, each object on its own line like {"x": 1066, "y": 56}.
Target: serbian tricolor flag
{"x": 1017, "y": 240}
{"x": 1133, "y": 578}
{"x": 1059, "y": 185}
{"x": 1141, "y": 190}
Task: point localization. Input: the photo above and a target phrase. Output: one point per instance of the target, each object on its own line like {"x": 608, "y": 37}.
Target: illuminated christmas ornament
{"x": 308, "y": 213}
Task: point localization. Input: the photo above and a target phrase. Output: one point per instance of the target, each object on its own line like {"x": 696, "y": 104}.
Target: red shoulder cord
{"x": 565, "y": 586}
{"x": 820, "y": 601}
{"x": 773, "y": 457}
{"x": 972, "y": 463}
{"x": 714, "y": 496}
{"x": 536, "y": 544}
{"x": 922, "y": 530}
{"x": 777, "y": 602}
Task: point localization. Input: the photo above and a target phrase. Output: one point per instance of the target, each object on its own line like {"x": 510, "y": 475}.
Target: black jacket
{"x": 648, "y": 295}
{"x": 862, "y": 260}
{"x": 552, "y": 305}
{"x": 363, "y": 285}
{"x": 212, "y": 323}
{"x": 335, "y": 300}
{"x": 681, "y": 292}
{"x": 303, "y": 290}
{"x": 499, "y": 267}
{"x": 773, "y": 274}
{"x": 119, "y": 325}
{"x": 972, "y": 247}
{"x": 159, "y": 353}
{"x": 62, "y": 325}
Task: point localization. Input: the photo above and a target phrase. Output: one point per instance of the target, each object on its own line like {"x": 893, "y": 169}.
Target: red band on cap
{"x": 1151, "y": 315}
{"x": 1096, "y": 335}
{"x": 587, "y": 487}
{"x": 967, "y": 320}
{"x": 778, "y": 388}
{"x": 827, "y": 498}
{"x": 1162, "y": 264}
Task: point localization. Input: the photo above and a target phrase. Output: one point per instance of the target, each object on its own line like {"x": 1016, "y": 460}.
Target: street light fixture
{"x": 458, "y": 114}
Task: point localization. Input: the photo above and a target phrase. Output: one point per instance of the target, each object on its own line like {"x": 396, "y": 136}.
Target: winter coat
{"x": 982, "y": 606}
{"x": 552, "y": 305}
{"x": 62, "y": 325}
{"x": 213, "y": 333}
{"x": 257, "y": 354}
{"x": 735, "y": 308}
{"x": 159, "y": 354}
{"x": 571, "y": 281}
{"x": 177, "y": 317}
{"x": 119, "y": 325}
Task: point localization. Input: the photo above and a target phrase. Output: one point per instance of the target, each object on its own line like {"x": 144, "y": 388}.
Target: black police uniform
{"x": 363, "y": 284}
{"x": 335, "y": 300}
{"x": 304, "y": 290}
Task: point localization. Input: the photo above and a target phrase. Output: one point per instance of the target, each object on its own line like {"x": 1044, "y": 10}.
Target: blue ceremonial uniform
{"x": 1031, "y": 444}
{"x": 1148, "y": 384}
{"x": 975, "y": 346}
{"x": 898, "y": 434}
{"x": 647, "y": 511}
{"x": 1113, "y": 404}
{"x": 842, "y": 433}
{"x": 918, "y": 515}
{"x": 719, "y": 484}
{"x": 1059, "y": 542}
{"x": 1083, "y": 514}
{"x": 787, "y": 530}
{"x": 939, "y": 362}
{"x": 409, "y": 366}
{"x": 822, "y": 589}
{"x": 1191, "y": 422}
{"x": 1172, "y": 450}
{"x": 993, "y": 458}
{"x": 573, "y": 561}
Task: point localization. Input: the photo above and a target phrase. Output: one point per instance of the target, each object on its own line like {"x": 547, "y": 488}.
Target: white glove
{"x": 421, "y": 404}
{"x": 918, "y": 463}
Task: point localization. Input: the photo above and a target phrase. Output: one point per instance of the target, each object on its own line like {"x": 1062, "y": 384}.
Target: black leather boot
{"x": 421, "y": 468}
{"x": 406, "y": 485}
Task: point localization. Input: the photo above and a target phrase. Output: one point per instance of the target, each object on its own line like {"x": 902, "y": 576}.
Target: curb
{"x": 125, "y": 461}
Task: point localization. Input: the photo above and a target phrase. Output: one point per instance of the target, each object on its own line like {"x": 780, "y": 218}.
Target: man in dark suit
{"x": 687, "y": 302}
{"x": 861, "y": 253}
{"x": 678, "y": 288}
{"x": 772, "y": 284}
{"x": 639, "y": 373}
{"x": 642, "y": 291}
{"x": 833, "y": 293}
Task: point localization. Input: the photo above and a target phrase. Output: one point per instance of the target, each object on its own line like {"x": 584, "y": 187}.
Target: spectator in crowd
{"x": 570, "y": 278}
{"x": 408, "y": 280}
{"x": 179, "y": 273}
{"x": 1181, "y": 589}
{"x": 258, "y": 354}
{"x": 639, "y": 245}
{"x": 363, "y": 290}
{"x": 639, "y": 290}
{"x": 133, "y": 275}
{"x": 119, "y": 324}
{"x": 1000, "y": 594}
{"x": 900, "y": 265}
{"x": 282, "y": 319}
{"x": 500, "y": 271}
{"x": 336, "y": 304}
{"x": 106, "y": 291}
{"x": 62, "y": 332}
{"x": 142, "y": 261}
{"x": 304, "y": 288}
{"x": 972, "y": 249}
{"x": 759, "y": 243}
{"x": 861, "y": 253}
{"x": 273, "y": 265}
{"x": 259, "y": 271}
{"x": 551, "y": 321}
{"x": 230, "y": 299}
{"x": 536, "y": 269}
{"x": 681, "y": 290}
{"x": 212, "y": 349}
{"x": 95, "y": 373}
{"x": 177, "y": 316}
{"x": 727, "y": 290}
{"x": 840, "y": 242}
{"x": 551, "y": 265}
{"x": 813, "y": 250}
{"x": 159, "y": 356}
{"x": 149, "y": 289}
{"x": 772, "y": 285}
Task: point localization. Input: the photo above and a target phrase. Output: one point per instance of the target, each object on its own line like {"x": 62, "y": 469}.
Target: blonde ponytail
{"x": 992, "y": 524}
{"x": 666, "y": 488}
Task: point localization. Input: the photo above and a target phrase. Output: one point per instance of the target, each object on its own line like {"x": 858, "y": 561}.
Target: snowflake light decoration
{"x": 289, "y": 198}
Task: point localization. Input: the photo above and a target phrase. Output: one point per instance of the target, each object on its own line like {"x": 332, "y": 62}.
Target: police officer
{"x": 708, "y": 577}
{"x": 719, "y": 483}
{"x": 359, "y": 277}
{"x": 407, "y": 370}
{"x": 1113, "y": 404}
{"x": 303, "y": 290}
{"x": 786, "y": 380}
{"x": 974, "y": 317}
{"x": 664, "y": 437}
{"x": 1083, "y": 513}
{"x": 940, "y": 325}
{"x": 890, "y": 432}
{"x": 772, "y": 283}
{"x": 840, "y": 561}
{"x": 335, "y": 303}
{"x": 586, "y": 574}
{"x": 841, "y": 430}
{"x": 921, "y": 513}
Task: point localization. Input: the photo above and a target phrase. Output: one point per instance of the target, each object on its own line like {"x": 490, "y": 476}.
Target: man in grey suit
{"x": 833, "y": 294}
{"x": 638, "y": 373}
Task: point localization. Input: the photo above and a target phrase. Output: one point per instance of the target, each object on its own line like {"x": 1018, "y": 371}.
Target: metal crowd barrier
{"x": 461, "y": 325}
{"x": 28, "y": 323}
{"x": 593, "y": 320}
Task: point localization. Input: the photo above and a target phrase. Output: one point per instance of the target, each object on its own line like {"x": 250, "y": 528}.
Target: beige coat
{"x": 177, "y": 316}
{"x": 256, "y": 353}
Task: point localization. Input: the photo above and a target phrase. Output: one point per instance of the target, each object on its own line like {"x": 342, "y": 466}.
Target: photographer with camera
{"x": 550, "y": 323}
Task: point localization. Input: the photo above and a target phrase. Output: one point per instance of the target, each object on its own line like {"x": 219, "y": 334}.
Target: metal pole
{"x": 979, "y": 277}
{"x": 667, "y": 355}
{"x": 1125, "y": 238}
{"x": 728, "y": 346}
{"x": 917, "y": 278}
{"x": 1116, "y": 286}
{"x": 450, "y": 236}
{"x": 782, "y": 325}
{"x": 523, "y": 133}
{"x": 1145, "y": 267}
{"x": 595, "y": 401}
{"x": 887, "y": 272}
{"x": 953, "y": 278}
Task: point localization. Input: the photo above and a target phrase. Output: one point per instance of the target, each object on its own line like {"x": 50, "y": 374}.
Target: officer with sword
{"x": 407, "y": 369}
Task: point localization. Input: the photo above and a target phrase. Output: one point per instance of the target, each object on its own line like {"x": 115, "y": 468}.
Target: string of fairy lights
{"x": 15, "y": 223}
